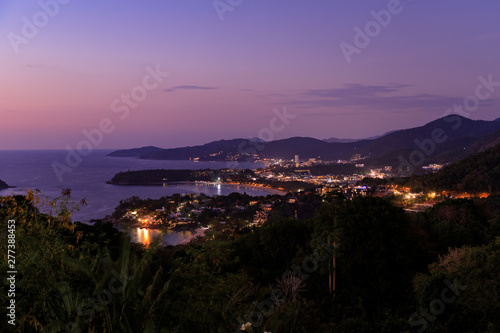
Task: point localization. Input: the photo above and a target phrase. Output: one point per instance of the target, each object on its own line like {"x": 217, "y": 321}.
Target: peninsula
{"x": 161, "y": 177}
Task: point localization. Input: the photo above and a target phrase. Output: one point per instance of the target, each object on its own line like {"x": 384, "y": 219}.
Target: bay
{"x": 34, "y": 170}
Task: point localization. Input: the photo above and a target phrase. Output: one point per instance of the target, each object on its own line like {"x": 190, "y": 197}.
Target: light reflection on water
{"x": 169, "y": 237}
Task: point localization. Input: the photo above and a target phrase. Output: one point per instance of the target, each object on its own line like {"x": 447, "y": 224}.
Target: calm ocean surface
{"x": 33, "y": 169}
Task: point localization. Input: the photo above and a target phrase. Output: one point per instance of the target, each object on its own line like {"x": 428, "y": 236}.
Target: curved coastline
{"x": 256, "y": 187}
{"x": 133, "y": 224}
{"x": 199, "y": 232}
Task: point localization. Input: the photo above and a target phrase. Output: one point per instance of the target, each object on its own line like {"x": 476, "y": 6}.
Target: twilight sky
{"x": 227, "y": 76}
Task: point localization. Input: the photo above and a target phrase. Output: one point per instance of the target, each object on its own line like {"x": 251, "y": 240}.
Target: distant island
{"x": 3, "y": 185}
{"x": 458, "y": 138}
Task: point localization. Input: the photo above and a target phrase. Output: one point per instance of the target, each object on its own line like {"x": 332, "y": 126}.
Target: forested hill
{"x": 462, "y": 137}
{"x": 475, "y": 174}
{"x": 151, "y": 177}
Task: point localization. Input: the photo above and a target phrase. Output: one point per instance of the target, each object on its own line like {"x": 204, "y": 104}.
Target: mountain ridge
{"x": 343, "y": 140}
{"x": 457, "y": 136}
{"x": 134, "y": 152}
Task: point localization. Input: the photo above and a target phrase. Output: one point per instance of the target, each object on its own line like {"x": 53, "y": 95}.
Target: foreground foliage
{"x": 389, "y": 271}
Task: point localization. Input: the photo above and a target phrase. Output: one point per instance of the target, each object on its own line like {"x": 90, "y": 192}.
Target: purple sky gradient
{"x": 226, "y": 77}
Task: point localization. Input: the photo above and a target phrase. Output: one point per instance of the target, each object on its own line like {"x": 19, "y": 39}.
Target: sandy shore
{"x": 268, "y": 189}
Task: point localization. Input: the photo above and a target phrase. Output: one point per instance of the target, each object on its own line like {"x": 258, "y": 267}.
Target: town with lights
{"x": 296, "y": 184}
